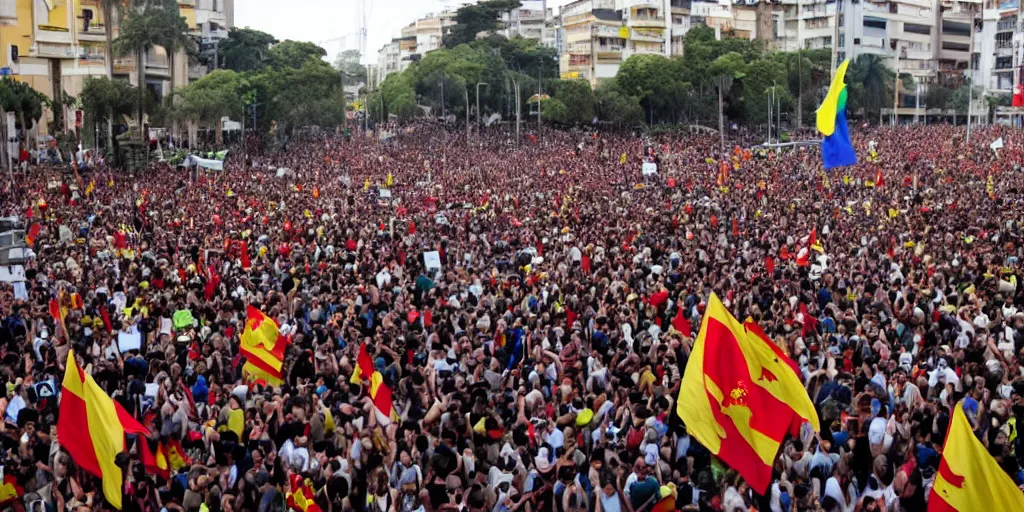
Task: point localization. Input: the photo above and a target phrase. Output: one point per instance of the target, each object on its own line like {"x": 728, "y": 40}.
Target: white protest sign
{"x": 649, "y": 169}
{"x": 432, "y": 260}
{"x": 129, "y": 340}
{"x": 385, "y": 193}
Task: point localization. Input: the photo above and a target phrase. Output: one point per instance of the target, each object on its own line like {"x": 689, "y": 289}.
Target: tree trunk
{"x": 140, "y": 73}
{"x": 220, "y": 132}
{"x": 108, "y": 32}
{"x": 170, "y": 63}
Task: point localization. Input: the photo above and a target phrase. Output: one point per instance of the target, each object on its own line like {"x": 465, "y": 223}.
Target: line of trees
{"x": 737, "y": 78}
{"x": 278, "y": 85}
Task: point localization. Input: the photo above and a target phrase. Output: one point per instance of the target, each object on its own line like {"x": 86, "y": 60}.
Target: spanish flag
{"x": 380, "y": 391}
{"x": 10, "y": 491}
{"x": 740, "y": 396}
{"x": 93, "y": 427}
{"x": 364, "y": 366}
{"x": 969, "y": 478}
{"x": 175, "y": 454}
{"x": 301, "y": 496}
{"x": 263, "y": 348}
{"x": 155, "y": 463}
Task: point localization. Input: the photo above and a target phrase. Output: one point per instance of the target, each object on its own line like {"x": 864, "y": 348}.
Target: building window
{"x": 955, "y": 47}
{"x": 874, "y": 23}
{"x": 842, "y": 40}
{"x": 915, "y": 28}
{"x": 954, "y": 28}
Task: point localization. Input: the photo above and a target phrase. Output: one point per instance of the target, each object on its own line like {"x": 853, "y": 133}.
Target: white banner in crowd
{"x": 649, "y": 169}
{"x": 432, "y": 260}
{"x": 206, "y": 163}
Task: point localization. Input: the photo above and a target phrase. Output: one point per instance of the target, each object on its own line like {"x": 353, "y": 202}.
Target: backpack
{"x": 634, "y": 438}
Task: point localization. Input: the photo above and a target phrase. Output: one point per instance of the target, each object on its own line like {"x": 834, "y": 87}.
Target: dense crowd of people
{"x": 535, "y": 361}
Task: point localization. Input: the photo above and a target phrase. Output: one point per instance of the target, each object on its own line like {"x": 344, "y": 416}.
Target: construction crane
{"x": 359, "y": 34}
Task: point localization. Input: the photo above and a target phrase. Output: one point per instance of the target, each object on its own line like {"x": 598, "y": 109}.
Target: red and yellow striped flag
{"x": 741, "y": 402}
{"x": 263, "y": 348}
{"x": 969, "y": 478}
{"x": 93, "y": 427}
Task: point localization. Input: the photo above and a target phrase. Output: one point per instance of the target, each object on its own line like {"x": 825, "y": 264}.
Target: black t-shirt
{"x": 438, "y": 494}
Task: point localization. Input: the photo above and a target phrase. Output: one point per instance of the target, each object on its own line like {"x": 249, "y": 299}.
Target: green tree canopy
{"x": 245, "y": 49}
{"x": 348, "y": 64}
{"x": 472, "y": 19}
{"x": 295, "y": 54}
{"x": 578, "y": 99}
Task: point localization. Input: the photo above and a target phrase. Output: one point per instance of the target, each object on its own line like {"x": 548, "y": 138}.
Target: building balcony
{"x": 647, "y": 21}
{"x": 53, "y": 34}
{"x": 609, "y": 52}
{"x": 651, "y": 36}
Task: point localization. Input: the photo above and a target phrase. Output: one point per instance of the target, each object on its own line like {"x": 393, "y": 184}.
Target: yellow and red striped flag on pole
{"x": 740, "y": 395}
{"x": 92, "y": 426}
{"x": 969, "y": 478}
{"x": 263, "y": 348}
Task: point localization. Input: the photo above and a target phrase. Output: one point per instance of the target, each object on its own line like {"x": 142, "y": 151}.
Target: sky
{"x": 333, "y": 24}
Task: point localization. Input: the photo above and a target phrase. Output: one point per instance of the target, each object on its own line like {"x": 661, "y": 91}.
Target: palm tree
{"x": 109, "y": 7}
{"x": 871, "y": 83}
{"x": 174, "y": 35}
{"x": 140, "y": 31}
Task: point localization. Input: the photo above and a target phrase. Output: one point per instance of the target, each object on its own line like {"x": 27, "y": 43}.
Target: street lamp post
{"x": 515, "y": 85}
{"x": 478, "y": 101}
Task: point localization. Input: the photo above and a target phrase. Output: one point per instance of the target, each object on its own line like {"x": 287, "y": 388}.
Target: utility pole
{"x": 896, "y": 88}
{"x": 466, "y": 91}
{"x": 443, "y": 115}
{"x": 970, "y": 87}
{"x": 835, "y": 37}
{"x": 515, "y": 85}
{"x": 478, "y": 102}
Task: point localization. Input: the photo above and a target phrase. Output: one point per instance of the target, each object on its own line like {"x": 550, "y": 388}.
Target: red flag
{"x": 106, "y": 319}
{"x": 735, "y": 227}
{"x": 879, "y": 179}
{"x": 810, "y": 323}
{"x": 681, "y": 323}
{"x": 813, "y": 239}
{"x": 769, "y": 265}
{"x": 585, "y": 263}
{"x": 211, "y": 284}
{"x": 243, "y": 247}
{"x": 571, "y": 316}
{"x": 714, "y": 221}
{"x": 412, "y": 228}
{"x": 155, "y": 463}
{"x": 33, "y": 232}
{"x": 55, "y": 309}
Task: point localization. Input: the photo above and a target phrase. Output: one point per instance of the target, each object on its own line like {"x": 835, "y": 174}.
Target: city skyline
{"x": 335, "y": 21}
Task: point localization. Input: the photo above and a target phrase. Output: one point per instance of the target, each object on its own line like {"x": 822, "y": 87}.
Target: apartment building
{"x": 533, "y": 20}
{"x": 416, "y": 39}
{"x": 55, "y": 45}
{"x": 998, "y": 41}
{"x": 807, "y": 24}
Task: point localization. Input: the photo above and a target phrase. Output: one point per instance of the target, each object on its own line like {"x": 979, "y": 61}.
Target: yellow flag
{"x": 236, "y": 422}
{"x": 622, "y": 159}
{"x": 968, "y": 477}
{"x": 366, "y": 186}
{"x": 90, "y": 188}
{"x": 390, "y": 180}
